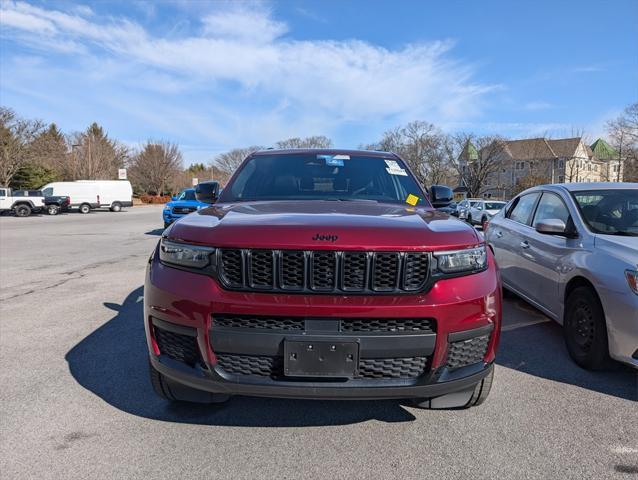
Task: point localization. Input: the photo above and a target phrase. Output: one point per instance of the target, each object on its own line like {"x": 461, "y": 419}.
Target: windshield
{"x": 187, "y": 195}
{"x": 324, "y": 177}
{"x": 613, "y": 212}
{"x": 494, "y": 205}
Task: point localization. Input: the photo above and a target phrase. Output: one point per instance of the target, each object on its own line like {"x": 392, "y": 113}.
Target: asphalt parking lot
{"x": 77, "y": 403}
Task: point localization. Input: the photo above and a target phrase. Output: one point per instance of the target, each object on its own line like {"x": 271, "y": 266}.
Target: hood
{"x": 623, "y": 248}
{"x": 330, "y": 225}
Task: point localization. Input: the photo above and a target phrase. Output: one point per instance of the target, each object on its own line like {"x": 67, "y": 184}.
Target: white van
{"x": 90, "y": 194}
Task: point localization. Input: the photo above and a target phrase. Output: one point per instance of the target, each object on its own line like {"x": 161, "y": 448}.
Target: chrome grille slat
{"x": 323, "y": 271}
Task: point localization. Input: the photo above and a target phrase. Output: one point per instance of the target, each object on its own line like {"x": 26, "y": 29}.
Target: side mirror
{"x": 173, "y": 198}
{"x": 553, "y": 226}
{"x": 207, "y": 192}
{"x": 440, "y": 196}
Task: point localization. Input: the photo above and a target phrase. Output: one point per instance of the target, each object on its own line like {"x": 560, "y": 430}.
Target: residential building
{"x": 515, "y": 165}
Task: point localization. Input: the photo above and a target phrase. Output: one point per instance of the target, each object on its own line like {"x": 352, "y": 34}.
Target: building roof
{"x": 529, "y": 149}
{"x": 469, "y": 152}
{"x": 564, "y": 147}
{"x": 603, "y": 150}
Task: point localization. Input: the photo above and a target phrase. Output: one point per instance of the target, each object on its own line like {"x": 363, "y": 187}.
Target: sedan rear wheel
{"x": 585, "y": 329}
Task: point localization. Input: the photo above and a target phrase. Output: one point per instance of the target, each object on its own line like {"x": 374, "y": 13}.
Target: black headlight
{"x": 459, "y": 262}
{"x": 185, "y": 255}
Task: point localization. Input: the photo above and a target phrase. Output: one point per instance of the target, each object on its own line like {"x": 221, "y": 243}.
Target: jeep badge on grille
{"x": 325, "y": 238}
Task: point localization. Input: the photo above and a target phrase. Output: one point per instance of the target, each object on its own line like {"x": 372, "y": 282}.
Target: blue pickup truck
{"x": 181, "y": 205}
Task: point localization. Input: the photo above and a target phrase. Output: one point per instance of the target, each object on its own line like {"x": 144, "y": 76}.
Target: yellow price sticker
{"x": 412, "y": 200}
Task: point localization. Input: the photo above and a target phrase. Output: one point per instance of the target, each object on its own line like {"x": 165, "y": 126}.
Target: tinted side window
{"x": 551, "y": 206}
{"x": 523, "y": 208}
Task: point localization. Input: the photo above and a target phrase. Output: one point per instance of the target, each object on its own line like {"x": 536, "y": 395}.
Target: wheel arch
{"x": 23, "y": 202}
{"x": 574, "y": 283}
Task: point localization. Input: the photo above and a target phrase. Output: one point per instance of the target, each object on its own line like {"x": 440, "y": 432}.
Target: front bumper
{"x": 463, "y": 308}
{"x": 170, "y": 217}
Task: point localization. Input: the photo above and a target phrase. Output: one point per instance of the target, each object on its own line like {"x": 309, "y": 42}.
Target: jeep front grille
{"x": 323, "y": 271}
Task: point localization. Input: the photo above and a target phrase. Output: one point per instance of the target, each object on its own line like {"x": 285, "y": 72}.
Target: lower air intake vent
{"x": 467, "y": 352}
{"x": 182, "y": 348}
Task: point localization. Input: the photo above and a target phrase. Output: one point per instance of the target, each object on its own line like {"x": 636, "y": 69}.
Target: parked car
{"x": 22, "y": 202}
{"x": 182, "y": 205}
{"x": 482, "y": 211}
{"x": 322, "y": 274}
{"x": 464, "y": 207}
{"x": 571, "y": 250}
{"x": 87, "y": 195}
{"x": 56, "y": 204}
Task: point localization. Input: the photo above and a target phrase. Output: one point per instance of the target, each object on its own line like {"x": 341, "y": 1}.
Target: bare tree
{"x": 49, "y": 150}
{"x": 228, "y": 162}
{"x": 156, "y": 168}
{"x": 318, "y": 141}
{"x": 94, "y": 155}
{"x": 16, "y": 136}
{"x": 623, "y": 133}
{"x": 480, "y": 174}
{"x": 425, "y": 149}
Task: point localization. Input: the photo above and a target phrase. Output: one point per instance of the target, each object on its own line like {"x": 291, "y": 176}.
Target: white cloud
{"x": 244, "y": 25}
{"x": 241, "y": 56}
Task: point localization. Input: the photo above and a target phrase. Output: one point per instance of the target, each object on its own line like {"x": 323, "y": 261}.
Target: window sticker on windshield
{"x": 393, "y": 168}
{"x": 412, "y": 200}
{"x": 334, "y": 160}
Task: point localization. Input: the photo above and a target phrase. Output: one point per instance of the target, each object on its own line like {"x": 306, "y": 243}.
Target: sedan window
{"x": 523, "y": 208}
{"x": 551, "y": 207}
{"x": 612, "y": 211}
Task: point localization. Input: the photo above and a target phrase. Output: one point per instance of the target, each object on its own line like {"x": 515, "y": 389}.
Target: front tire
{"x": 85, "y": 208}
{"x": 585, "y": 329}
{"x": 460, "y": 400}
{"x": 22, "y": 210}
{"x": 53, "y": 209}
{"x": 175, "y": 392}
{"x": 116, "y": 207}
{"x": 469, "y": 219}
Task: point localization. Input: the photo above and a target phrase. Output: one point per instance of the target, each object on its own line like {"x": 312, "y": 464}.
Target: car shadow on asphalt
{"x": 157, "y": 232}
{"x": 534, "y": 344}
{"x": 112, "y": 363}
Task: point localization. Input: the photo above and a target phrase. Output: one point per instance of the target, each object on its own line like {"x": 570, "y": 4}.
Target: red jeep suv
{"x": 322, "y": 274}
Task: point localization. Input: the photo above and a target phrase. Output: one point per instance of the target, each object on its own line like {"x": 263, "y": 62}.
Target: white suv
{"x": 22, "y": 205}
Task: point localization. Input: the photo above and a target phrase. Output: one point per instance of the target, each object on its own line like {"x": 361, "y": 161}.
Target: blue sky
{"x": 216, "y": 75}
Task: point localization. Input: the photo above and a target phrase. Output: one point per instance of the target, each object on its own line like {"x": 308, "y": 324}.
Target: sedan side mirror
{"x": 553, "y": 226}
{"x": 173, "y": 198}
{"x": 440, "y": 196}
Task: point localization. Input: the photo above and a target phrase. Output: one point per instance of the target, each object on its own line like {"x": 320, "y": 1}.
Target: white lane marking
{"x": 507, "y": 328}
{"x": 624, "y": 450}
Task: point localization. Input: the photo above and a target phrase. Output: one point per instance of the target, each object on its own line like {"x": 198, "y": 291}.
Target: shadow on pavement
{"x": 534, "y": 344}
{"x": 157, "y": 232}
{"x": 112, "y": 363}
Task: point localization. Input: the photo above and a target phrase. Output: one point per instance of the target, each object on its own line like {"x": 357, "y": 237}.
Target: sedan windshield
{"x": 612, "y": 212}
{"x": 324, "y": 177}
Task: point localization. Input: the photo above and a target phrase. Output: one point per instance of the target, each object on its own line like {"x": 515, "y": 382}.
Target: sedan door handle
{"x": 525, "y": 244}
{"x": 499, "y": 234}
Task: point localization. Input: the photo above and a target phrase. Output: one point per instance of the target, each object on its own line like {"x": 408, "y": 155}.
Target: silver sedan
{"x": 571, "y": 250}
